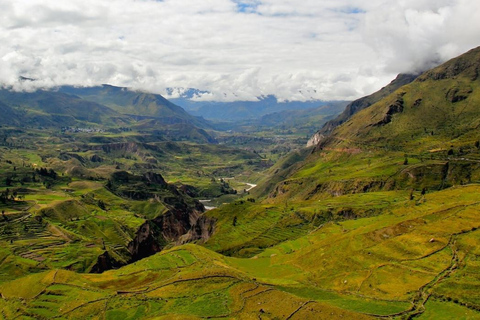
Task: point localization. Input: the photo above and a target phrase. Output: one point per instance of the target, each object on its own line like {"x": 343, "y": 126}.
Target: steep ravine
{"x": 175, "y": 226}
{"x": 183, "y": 220}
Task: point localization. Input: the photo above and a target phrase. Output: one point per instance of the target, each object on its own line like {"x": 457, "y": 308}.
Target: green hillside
{"x": 140, "y": 104}
{"x": 104, "y": 108}
{"x": 46, "y": 109}
{"x": 413, "y": 155}
{"x": 360, "y": 104}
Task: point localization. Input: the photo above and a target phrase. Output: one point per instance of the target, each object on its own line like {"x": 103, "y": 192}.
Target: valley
{"x": 105, "y": 216}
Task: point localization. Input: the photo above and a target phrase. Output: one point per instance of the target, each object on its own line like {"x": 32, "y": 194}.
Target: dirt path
{"x": 251, "y": 186}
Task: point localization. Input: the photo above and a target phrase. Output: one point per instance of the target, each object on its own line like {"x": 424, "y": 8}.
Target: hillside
{"x": 45, "y": 108}
{"x": 358, "y": 105}
{"x": 429, "y": 124}
{"x": 403, "y": 176}
{"x": 436, "y": 112}
{"x": 9, "y": 116}
{"x": 141, "y": 105}
{"x": 86, "y": 109}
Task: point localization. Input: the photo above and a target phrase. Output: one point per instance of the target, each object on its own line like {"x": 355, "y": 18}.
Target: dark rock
{"x": 396, "y": 107}
{"x": 458, "y": 94}
{"x": 175, "y": 226}
{"x": 105, "y": 262}
{"x": 96, "y": 158}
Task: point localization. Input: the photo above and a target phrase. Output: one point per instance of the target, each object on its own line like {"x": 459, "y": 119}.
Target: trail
{"x": 423, "y": 294}
{"x": 251, "y": 185}
{"x": 207, "y": 207}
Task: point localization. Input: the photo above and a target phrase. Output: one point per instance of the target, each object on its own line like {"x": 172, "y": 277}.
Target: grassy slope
{"x": 143, "y": 104}
{"x": 421, "y": 249}
{"x": 68, "y": 222}
{"x": 184, "y": 282}
{"x": 44, "y": 109}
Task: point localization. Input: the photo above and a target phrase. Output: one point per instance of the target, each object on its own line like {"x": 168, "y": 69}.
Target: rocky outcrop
{"x": 396, "y": 107}
{"x": 130, "y": 147}
{"x": 105, "y": 262}
{"x": 96, "y": 158}
{"x": 182, "y": 222}
{"x": 174, "y": 227}
{"x": 457, "y": 94}
{"x": 315, "y": 139}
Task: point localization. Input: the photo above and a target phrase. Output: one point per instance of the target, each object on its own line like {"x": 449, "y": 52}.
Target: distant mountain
{"x": 46, "y": 108}
{"x": 104, "y": 107}
{"x": 301, "y": 122}
{"x": 240, "y": 110}
{"x": 139, "y": 104}
{"x": 9, "y": 116}
{"x": 360, "y": 104}
{"x": 302, "y": 117}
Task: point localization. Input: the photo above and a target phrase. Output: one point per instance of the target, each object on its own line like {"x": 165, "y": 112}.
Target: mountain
{"x": 384, "y": 208}
{"x": 105, "y": 107}
{"x": 140, "y": 105}
{"x": 360, "y": 104}
{"x": 433, "y": 119}
{"x": 436, "y": 111}
{"x": 9, "y": 116}
{"x": 300, "y": 122}
{"x": 46, "y": 108}
{"x": 244, "y": 110}
{"x": 302, "y": 117}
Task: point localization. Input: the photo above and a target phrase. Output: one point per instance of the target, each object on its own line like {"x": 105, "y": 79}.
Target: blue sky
{"x": 246, "y": 6}
{"x": 241, "y": 49}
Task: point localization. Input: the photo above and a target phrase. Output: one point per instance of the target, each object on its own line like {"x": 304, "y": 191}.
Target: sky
{"x": 234, "y": 49}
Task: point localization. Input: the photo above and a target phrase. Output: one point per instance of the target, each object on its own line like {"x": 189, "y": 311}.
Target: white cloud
{"x": 413, "y": 35}
{"x": 330, "y": 49}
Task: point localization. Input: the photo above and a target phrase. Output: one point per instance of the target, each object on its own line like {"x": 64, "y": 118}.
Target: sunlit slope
{"x": 360, "y": 104}
{"x": 422, "y": 136}
{"x": 419, "y": 257}
{"x": 437, "y": 110}
{"x": 188, "y": 282}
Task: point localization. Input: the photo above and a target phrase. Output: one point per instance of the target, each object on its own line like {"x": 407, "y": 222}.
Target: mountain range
{"x": 243, "y": 110}
{"x": 103, "y": 107}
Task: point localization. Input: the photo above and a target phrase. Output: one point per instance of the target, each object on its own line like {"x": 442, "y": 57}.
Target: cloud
{"x": 415, "y": 35}
{"x": 241, "y": 49}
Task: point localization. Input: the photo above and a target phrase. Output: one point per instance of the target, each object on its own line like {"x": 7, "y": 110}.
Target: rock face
{"x": 105, "y": 262}
{"x": 182, "y": 222}
{"x": 357, "y": 105}
{"x": 396, "y": 107}
{"x": 176, "y": 226}
{"x": 315, "y": 139}
{"x": 458, "y": 94}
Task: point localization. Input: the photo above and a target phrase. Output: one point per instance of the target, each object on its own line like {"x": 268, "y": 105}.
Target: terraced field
{"x": 415, "y": 260}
